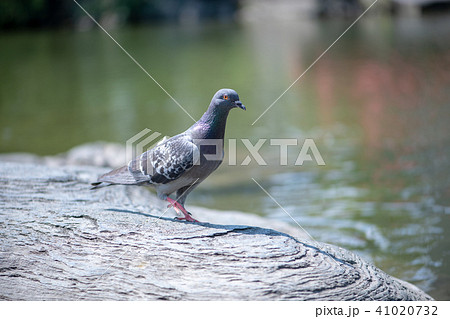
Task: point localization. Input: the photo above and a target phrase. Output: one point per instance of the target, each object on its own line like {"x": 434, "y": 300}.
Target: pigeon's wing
{"x": 166, "y": 162}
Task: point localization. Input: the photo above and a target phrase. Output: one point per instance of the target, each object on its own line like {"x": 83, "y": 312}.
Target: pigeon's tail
{"x": 97, "y": 185}
{"x": 119, "y": 176}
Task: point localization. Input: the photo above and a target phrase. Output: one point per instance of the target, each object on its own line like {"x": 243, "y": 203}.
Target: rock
{"x": 61, "y": 241}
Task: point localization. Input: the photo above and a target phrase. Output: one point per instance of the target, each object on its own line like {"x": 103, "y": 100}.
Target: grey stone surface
{"x": 61, "y": 241}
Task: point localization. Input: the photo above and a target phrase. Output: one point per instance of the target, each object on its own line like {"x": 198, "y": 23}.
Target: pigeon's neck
{"x": 213, "y": 123}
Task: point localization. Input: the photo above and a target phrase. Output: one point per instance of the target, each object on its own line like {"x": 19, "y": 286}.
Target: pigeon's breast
{"x": 205, "y": 167}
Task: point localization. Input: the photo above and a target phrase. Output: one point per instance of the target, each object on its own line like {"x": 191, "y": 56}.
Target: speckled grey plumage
{"x": 179, "y": 164}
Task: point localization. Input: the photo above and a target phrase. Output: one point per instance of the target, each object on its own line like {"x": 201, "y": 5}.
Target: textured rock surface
{"x": 59, "y": 240}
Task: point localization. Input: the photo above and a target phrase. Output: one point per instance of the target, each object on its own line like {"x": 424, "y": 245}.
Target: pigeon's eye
{"x": 225, "y": 97}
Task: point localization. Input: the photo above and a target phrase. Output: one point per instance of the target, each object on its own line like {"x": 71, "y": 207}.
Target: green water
{"x": 377, "y": 106}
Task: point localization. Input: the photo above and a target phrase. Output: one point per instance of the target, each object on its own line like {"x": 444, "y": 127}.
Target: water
{"x": 376, "y": 105}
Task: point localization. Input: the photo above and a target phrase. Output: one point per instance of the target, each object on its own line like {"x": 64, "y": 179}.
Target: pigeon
{"x": 179, "y": 164}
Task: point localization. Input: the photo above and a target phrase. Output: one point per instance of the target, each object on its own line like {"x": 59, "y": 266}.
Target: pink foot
{"x": 180, "y": 209}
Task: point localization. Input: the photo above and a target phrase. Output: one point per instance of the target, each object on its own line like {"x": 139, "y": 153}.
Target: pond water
{"x": 377, "y": 105}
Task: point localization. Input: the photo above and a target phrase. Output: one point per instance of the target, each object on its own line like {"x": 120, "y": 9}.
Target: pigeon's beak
{"x": 239, "y": 105}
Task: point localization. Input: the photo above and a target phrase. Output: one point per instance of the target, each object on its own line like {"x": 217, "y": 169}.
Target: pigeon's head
{"x": 227, "y": 99}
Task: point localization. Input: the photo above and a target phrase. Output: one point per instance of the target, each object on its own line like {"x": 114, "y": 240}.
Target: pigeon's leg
{"x": 180, "y": 209}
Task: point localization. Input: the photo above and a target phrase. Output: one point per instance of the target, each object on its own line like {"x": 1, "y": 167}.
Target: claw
{"x": 187, "y": 219}
{"x": 180, "y": 210}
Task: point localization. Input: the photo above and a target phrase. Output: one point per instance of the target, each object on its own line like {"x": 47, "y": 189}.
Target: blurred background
{"x": 377, "y": 105}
